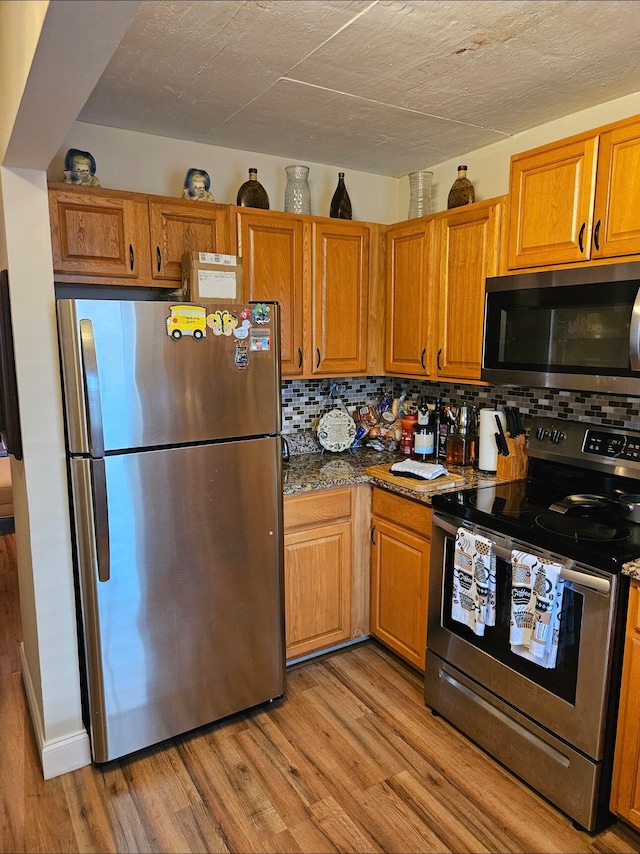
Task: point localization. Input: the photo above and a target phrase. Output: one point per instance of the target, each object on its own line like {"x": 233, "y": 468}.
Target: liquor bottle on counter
{"x": 340, "y": 203}
{"x": 252, "y": 194}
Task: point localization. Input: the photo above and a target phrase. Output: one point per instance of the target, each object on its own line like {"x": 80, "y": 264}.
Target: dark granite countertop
{"x": 305, "y": 472}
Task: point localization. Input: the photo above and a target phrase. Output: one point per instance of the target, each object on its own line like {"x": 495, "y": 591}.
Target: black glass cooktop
{"x": 590, "y": 530}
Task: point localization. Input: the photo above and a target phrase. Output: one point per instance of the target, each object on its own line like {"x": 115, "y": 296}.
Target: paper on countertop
{"x": 414, "y": 468}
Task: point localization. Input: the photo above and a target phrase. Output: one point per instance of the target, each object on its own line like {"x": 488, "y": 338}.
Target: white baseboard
{"x": 58, "y": 755}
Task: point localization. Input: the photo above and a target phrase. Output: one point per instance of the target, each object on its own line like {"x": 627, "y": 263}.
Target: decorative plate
{"x": 336, "y": 430}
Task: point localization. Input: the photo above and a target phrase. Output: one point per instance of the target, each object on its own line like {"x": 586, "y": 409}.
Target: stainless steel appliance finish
{"x": 553, "y": 727}
{"x": 175, "y": 458}
{"x": 574, "y": 329}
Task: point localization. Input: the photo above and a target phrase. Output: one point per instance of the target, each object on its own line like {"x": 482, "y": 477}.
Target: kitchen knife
{"x": 501, "y": 439}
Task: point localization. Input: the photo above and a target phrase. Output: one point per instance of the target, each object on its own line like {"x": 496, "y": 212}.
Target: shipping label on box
{"x": 212, "y": 277}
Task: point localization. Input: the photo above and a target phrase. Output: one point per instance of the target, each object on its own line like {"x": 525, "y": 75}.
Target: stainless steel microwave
{"x": 565, "y": 329}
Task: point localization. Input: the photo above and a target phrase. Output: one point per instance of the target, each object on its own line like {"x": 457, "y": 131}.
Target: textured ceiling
{"x": 385, "y": 87}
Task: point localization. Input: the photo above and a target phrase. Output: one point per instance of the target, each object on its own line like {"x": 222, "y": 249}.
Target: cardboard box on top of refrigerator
{"x": 212, "y": 277}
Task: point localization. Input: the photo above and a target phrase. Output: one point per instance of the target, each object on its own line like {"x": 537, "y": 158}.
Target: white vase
{"x": 297, "y": 195}
{"x": 420, "y": 193}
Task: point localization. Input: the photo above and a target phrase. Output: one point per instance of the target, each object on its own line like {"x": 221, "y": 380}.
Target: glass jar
{"x": 297, "y": 195}
{"x": 420, "y": 193}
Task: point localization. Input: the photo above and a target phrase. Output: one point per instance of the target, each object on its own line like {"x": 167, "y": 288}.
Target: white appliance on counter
{"x": 174, "y": 454}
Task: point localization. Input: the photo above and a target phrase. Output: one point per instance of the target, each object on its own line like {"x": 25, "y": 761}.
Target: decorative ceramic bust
{"x": 80, "y": 168}
{"x": 196, "y": 186}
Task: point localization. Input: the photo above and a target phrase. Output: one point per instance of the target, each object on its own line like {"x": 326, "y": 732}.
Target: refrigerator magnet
{"x": 260, "y": 313}
{"x": 242, "y": 354}
{"x": 242, "y": 331}
{"x": 222, "y": 322}
{"x": 260, "y": 339}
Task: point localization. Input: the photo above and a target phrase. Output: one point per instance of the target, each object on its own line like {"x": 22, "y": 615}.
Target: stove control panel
{"x": 607, "y": 449}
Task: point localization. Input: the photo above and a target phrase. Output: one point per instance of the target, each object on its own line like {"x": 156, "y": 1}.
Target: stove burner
{"x": 581, "y": 528}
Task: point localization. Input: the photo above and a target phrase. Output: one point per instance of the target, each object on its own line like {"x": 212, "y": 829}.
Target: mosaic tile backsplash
{"x": 303, "y": 401}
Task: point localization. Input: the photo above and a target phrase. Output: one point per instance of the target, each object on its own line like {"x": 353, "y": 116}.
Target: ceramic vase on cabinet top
{"x": 461, "y": 192}
{"x": 420, "y": 193}
{"x": 297, "y": 195}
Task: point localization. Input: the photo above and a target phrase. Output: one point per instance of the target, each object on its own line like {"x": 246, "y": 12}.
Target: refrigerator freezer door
{"x": 189, "y": 626}
{"x": 167, "y": 374}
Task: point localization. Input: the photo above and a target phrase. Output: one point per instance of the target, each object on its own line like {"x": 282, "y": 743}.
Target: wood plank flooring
{"x": 350, "y": 761}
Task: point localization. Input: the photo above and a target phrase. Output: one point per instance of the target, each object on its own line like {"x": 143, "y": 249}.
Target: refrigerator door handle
{"x": 101, "y": 518}
{"x": 91, "y": 389}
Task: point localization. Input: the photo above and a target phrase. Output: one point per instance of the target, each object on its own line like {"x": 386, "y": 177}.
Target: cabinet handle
{"x": 422, "y": 355}
{"x": 596, "y": 235}
{"x": 300, "y": 358}
{"x": 438, "y": 360}
{"x": 132, "y": 259}
{"x": 581, "y": 235}
{"x": 373, "y": 530}
{"x": 158, "y": 258}
{"x": 318, "y": 362}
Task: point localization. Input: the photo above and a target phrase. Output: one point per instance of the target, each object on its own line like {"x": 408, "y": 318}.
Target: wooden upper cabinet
{"x": 572, "y": 200}
{"x": 184, "y": 226}
{"x": 272, "y": 249}
{"x": 616, "y": 229}
{"x": 97, "y": 234}
{"x": 551, "y": 196}
{"x": 411, "y": 299}
{"x": 469, "y": 241}
{"x": 339, "y": 301}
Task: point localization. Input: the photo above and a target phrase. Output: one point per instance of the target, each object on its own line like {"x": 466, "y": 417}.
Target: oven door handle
{"x": 575, "y": 576}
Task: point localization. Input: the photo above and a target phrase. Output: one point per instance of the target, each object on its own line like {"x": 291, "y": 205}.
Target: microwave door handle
{"x": 96, "y": 448}
{"x": 634, "y": 335}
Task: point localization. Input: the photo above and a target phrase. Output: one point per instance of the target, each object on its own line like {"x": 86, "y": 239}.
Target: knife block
{"x": 514, "y": 467}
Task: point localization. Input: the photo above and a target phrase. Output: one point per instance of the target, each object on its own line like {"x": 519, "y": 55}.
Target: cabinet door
{"x": 94, "y": 234}
{"x": 410, "y": 321}
{"x": 317, "y": 572}
{"x": 178, "y": 227}
{"x": 625, "y": 794}
{"x": 399, "y": 585}
{"x": 271, "y": 246}
{"x": 340, "y": 289}
{"x": 551, "y": 201}
{"x": 617, "y": 218}
{"x": 469, "y": 252}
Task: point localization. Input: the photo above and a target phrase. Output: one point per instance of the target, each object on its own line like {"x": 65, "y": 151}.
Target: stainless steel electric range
{"x": 553, "y": 726}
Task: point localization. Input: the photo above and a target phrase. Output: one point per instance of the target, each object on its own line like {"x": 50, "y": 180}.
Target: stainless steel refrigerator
{"x": 174, "y": 453}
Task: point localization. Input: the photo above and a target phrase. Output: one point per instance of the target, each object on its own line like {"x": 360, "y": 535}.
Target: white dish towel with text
{"x": 536, "y": 602}
{"x": 474, "y": 581}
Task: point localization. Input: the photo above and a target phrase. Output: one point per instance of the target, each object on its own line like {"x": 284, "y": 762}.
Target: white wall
{"x": 127, "y": 160}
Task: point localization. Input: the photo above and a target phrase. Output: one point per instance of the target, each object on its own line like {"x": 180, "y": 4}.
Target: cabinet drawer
{"x": 316, "y": 507}
{"x": 409, "y": 514}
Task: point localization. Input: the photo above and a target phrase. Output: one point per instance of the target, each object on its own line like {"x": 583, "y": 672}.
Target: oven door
{"x": 569, "y": 700}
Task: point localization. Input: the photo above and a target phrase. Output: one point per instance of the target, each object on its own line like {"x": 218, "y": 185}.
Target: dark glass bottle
{"x": 461, "y": 192}
{"x": 252, "y": 194}
{"x": 340, "y": 203}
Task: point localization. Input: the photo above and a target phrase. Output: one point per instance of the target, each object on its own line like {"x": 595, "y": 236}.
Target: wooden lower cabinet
{"x": 325, "y": 568}
{"x": 400, "y": 543}
{"x": 625, "y": 794}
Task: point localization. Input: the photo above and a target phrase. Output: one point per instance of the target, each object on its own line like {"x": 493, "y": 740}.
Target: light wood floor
{"x": 350, "y": 761}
